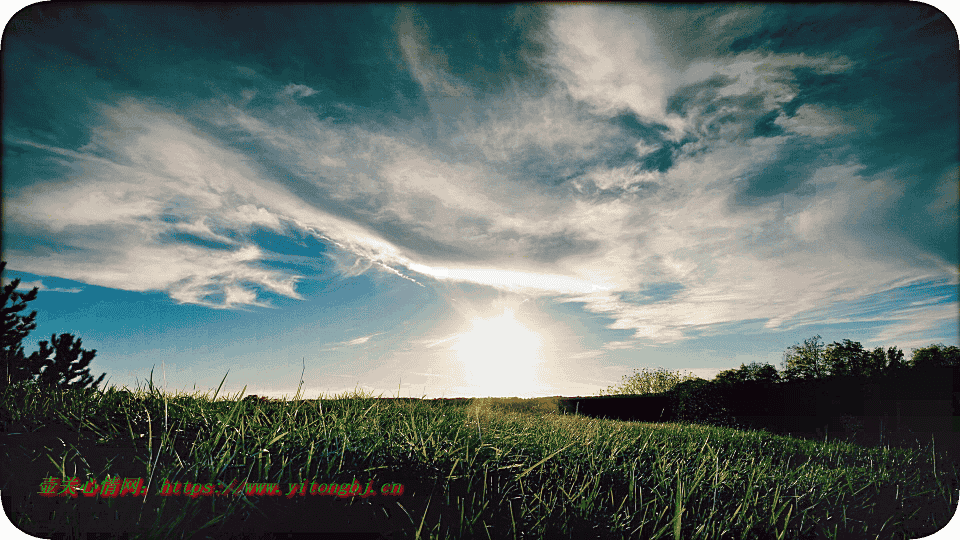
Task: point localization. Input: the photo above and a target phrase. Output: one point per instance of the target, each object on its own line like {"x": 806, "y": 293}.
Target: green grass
{"x": 483, "y": 468}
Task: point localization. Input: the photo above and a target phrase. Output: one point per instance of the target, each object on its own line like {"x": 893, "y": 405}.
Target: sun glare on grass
{"x": 501, "y": 357}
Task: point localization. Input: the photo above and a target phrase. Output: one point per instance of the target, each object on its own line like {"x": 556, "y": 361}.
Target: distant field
{"x": 481, "y": 468}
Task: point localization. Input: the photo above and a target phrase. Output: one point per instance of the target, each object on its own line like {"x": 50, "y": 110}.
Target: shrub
{"x": 697, "y": 400}
{"x": 648, "y": 381}
{"x": 69, "y": 363}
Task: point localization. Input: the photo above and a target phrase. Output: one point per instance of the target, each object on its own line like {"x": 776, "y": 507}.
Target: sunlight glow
{"x": 501, "y": 357}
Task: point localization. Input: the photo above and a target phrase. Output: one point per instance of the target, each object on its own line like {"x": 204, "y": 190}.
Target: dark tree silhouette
{"x": 755, "y": 371}
{"x": 14, "y": 328}
{"x": 846, "y": 358}
{"x": 876, "y": 362}
{"x": 895, "y": 362}
{"x": 69, "y": 362}
{"x": 937, "y": 355}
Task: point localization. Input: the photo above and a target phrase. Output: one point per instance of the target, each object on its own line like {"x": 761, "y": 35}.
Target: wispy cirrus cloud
{"x": 351, "y": 342}
{"x": 26, "y": 286}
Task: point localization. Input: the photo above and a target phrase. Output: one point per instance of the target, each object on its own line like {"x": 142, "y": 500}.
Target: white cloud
{"x": 618, "y": 345}
{"x": 27, "y": 286}
{"x": 684, "y": 233}
{"x": 808, "y": 255}
{"x": 517, "y": 122}
{"x": 518, "y": 281}
{"x": 815, "y": 121}
{"x": 919, "y": 326}
{"x": 164, "y": 167}
{"x": 355, "y": 186}
{"x": 928, "y": 301}
{"x": 249, "y": 214}
{"x": 611, "y": 59}
{"x": 770, "y": 77}
{"x": 360, "y": 340}
{"x": 763, "y": 73}
{"x": 350, "y": 343}
{"x": 298, "y": 90}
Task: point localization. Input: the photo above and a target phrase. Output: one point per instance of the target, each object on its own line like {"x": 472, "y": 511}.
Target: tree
{"x": 895, "y": 362}
{"x": 754, "y": 371}
{"x": 70, "y": 361}
{"x": 805, "y": 361}
{"x": 731, "y": 376}
{"x": 846, "y": 358}
{"x": 14, "y": 328}
{"x": 876, "y": 362}
{"x": 648, "y": 381}
{"x": 938, "y": 355}
{"x": 763, "y": 373}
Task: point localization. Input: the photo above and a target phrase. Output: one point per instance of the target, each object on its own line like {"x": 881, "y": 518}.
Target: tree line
{"x": 810, "y": 360}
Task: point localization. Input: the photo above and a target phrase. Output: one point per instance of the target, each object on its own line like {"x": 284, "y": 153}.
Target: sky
{"x": 457, "y": 200}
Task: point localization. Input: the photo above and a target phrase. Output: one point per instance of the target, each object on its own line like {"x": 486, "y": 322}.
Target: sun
{"x": 500, "y": 356}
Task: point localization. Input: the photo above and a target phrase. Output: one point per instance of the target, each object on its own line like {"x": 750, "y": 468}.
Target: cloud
{"x": 731, "y": 263}
{"x": 928, "y": 301}
{"x": 609, "y": 58}
{"x": 619, "y": 345}
{"x": 350, "y": 343}
{"x": 520, "y": 122}
{"x": 425, "y": 65}
{"x": 298, "y": 90}
{"x": 771, "y": 261}
{"x": 919, "y": 326}
{"x": 26, "y": 286}
{"x": 164, "y": 180}
{"x": 944, "y": 205}
{"x": 528, "y": 282}
{"x": 361, "y": 340}
{"x": 815, "y": 121}
{"x": 710, "y": 178}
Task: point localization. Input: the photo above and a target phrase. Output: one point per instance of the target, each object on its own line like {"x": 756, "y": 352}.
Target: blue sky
{"x": 474, "y": 200}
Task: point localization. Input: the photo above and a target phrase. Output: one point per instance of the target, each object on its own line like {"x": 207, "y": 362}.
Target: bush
{"x": 70, "y": 361}
{"x": 648, "y": 381}
{"x": 697, "y": 400}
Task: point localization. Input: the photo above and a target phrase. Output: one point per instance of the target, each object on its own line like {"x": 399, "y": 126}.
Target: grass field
{"x": 482, "y": 468}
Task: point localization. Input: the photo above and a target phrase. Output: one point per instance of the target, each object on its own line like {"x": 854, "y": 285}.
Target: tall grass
{"x": 482, "y": 468}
